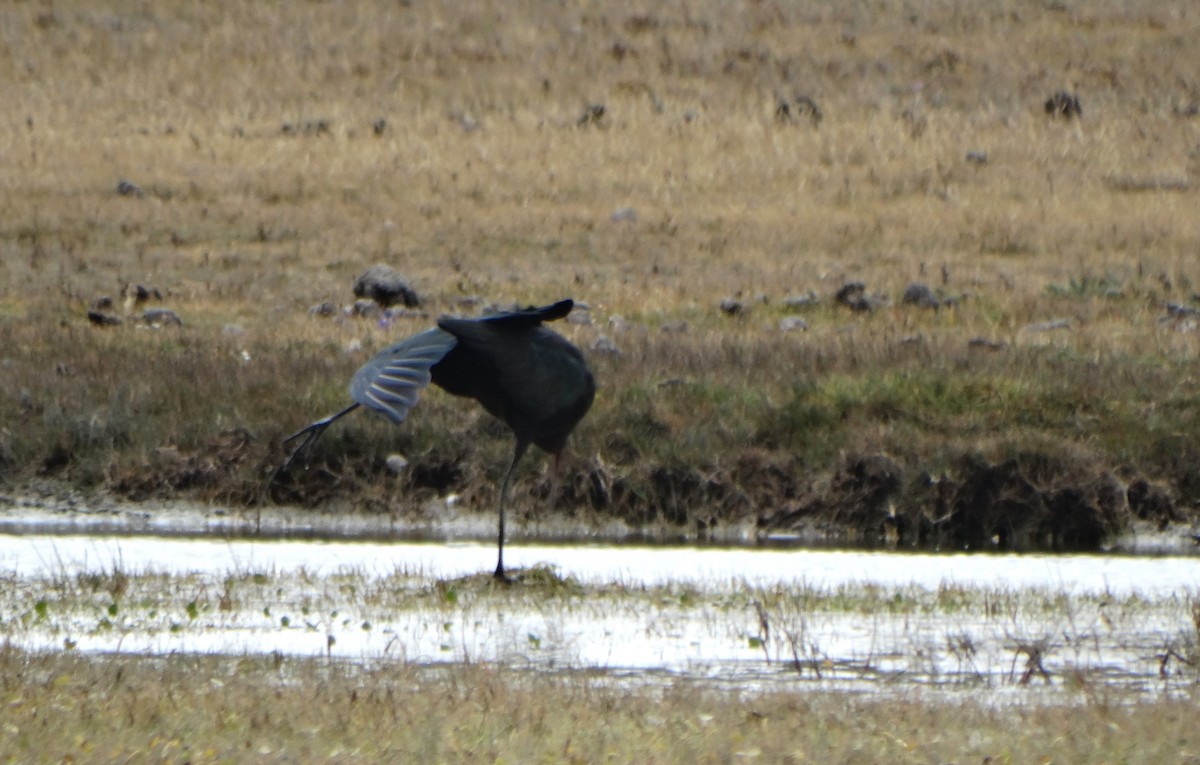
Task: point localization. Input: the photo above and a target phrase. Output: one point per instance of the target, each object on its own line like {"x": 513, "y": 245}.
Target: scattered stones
{"x": 385, "y": 286}
{"x": 792, "y": 323}
{"x": 1064, "y": 104}
{"x": 128, "y": 188}
{"x": 592, "y": 115}
{"x": 161, "y": 317}
{"x": 920, "y": 295}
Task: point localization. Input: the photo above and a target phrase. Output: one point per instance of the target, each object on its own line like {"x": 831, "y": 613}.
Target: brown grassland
{"x": 68, "y": 708}
{"x": 279, "y": 149}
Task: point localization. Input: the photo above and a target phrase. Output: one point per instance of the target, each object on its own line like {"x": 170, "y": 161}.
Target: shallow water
{"x": 694, "y": 613}
{"x": 40, "y": 555}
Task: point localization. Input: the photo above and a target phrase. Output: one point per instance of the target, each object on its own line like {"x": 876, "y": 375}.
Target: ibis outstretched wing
{"x": 391, "y": 381}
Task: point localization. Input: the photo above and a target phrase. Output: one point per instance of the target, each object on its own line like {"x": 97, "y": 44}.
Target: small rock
{"x": 624, "y": 215}
{"x": 385, "y": 286}
{"x": 617, "y": 323}
{"x": 733, "y": 307}
{"x": 379, "y": 126}
{"x": 920, "y": 295}
{"x": 675, "y": 326}
{"x": 104, "y": 303}
{"x": 580, "y": 316}
{"x": 161, "y": 317}
{"x": 323, "y": 310}
{"x": 127, "y": 188}
{"x": 363, "y": 309}
{"x": 396, "y": 463}
{"x": 792, "y": 323}
{"x": 806, "y": 300}
{"x": 977, "y": 157}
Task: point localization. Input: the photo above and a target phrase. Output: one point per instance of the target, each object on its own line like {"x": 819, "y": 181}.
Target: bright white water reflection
{"x": 863, "y": 620}
{"x": 709, "y": 568}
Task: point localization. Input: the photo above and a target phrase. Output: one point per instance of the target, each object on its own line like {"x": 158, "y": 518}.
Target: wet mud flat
{"x": 1018, "y": 627}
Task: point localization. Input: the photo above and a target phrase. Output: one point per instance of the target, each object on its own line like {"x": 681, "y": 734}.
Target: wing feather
{"x": 391, "y": 382}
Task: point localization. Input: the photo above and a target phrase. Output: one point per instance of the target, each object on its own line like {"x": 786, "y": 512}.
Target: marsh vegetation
{"x": 247, "y": 161}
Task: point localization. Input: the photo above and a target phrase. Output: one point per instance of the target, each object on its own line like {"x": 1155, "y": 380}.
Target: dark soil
{"x": 1031, "y": 502}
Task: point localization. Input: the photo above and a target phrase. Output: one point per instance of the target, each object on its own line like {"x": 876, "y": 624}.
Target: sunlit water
{"x": 710, "y": 568}
{"x": 303, "y": 607}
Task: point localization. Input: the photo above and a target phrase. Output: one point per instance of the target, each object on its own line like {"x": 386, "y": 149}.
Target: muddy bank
{"x": 1027, "y": 503}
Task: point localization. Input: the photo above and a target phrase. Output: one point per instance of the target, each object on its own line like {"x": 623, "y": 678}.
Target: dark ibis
{"x": 526, "y": 375}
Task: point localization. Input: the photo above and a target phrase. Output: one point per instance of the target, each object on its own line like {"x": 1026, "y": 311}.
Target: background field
{"x": 282, "y": 148}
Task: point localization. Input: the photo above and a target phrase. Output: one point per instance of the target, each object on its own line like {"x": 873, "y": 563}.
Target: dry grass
{"x": 480, "y": 183}
{"x": 66, "y": 707}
